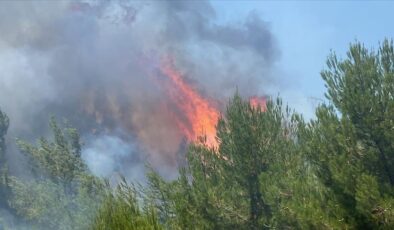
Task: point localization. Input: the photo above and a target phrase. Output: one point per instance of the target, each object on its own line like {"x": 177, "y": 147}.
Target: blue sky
{"x": 55, "y": 58}
{"x": 306, "y": 31}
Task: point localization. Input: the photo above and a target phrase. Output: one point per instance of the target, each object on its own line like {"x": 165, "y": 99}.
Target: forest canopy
{"x": 272, "y": 169}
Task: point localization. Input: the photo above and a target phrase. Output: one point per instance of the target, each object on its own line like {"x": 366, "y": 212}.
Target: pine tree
{"x": 121, "y": 210}
{"x": 199, "y": 198}
{"x": 60, "y": 160}
{"x": 4, "y": 123}
{"x": 236, "y": 185}
{"x": 248, "y": 140}
{"x": 62, "y": 194}
{"x": 351, "y": 142}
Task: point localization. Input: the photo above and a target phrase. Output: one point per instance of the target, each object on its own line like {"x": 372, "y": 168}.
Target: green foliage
{"x": 270, "y": 170}
{"x": 351, "y": 142}
{"x": 295, "y": 194}
{"x": 63, "y": 194}
{"x": 4, "y": 123}
{"x": 60, "y": 159}
{"x": 198, "y": 199}
{"x": 251, "y": 140}
{"x": 46, "y": 205}
{"x": 273, "y": 170}
{"x": 121, "y": 211}
{"x": 233, "y": 187}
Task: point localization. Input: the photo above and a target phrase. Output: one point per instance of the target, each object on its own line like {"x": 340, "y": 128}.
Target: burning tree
{"x": 262, "y": 166}
{"x": 223, "y": 188}
{"x": 271, "y": 169}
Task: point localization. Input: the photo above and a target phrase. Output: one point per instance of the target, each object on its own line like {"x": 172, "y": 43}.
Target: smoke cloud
{"x": 97, "y": 63}
{"x": 108, "y": 154}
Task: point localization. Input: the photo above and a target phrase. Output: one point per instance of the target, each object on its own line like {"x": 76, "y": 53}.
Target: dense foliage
{"x": 121, "y": 210}
{"x": 61, "y": 193}
{"x": 351, "y": 141}
{"x": 4, "y": 123}
{"x": 270, "y": 170}
{"x": 274, "y": 170}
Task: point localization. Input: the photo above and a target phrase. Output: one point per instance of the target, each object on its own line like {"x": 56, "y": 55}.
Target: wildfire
{"x": 200, "y": 113}
{"x": 256, "y": 101}
{"x": 178, "y": 113}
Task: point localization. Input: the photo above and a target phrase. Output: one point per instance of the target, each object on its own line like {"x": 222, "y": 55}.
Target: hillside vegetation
{"x": 271, "y": 169}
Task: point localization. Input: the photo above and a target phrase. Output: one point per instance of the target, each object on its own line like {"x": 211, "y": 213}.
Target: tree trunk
{"x": 257, "y": 205}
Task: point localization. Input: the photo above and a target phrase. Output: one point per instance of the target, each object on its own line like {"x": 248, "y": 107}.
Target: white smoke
{"x": 109, "y": 156}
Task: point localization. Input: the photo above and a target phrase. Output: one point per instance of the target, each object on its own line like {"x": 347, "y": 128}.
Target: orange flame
{"x": 256, "y": 101}
{"x": 201, "y": 115}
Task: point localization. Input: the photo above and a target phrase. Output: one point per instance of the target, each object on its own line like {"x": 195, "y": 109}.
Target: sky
{"x": 100, "y": 65}
{"x": 306, "y": 31}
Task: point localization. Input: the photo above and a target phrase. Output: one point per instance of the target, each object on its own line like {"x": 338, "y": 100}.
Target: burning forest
{"x": 145, "y": 88}
{"x": 161, "y": 115}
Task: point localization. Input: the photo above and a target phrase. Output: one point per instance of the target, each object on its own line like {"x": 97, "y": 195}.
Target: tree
{"x": 121, "y": 210}
{"x": 249, "y": 139}
{"x": 4, "y": 123}
{"x": 351, "y": 142}
{"x": 199, "y": 198}
{"x": 231, "y": 187}
{"x": 62, "y": 194}
{"x": 59, "y": 160}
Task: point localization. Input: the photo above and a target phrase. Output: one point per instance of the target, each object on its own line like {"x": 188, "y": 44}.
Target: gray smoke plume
{"x": 106, "y": 154}
{"x": 97, "y": 63}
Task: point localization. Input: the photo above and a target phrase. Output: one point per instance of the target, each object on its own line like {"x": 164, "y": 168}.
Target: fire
{"x": 161, "y": 122}
{"x": 256, "y": 101}
{"x": 201, "y": 114}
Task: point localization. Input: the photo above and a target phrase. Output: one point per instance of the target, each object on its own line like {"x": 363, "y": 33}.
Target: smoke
{"x": 97, "y": 63}
{"x": 106, "y": 155}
